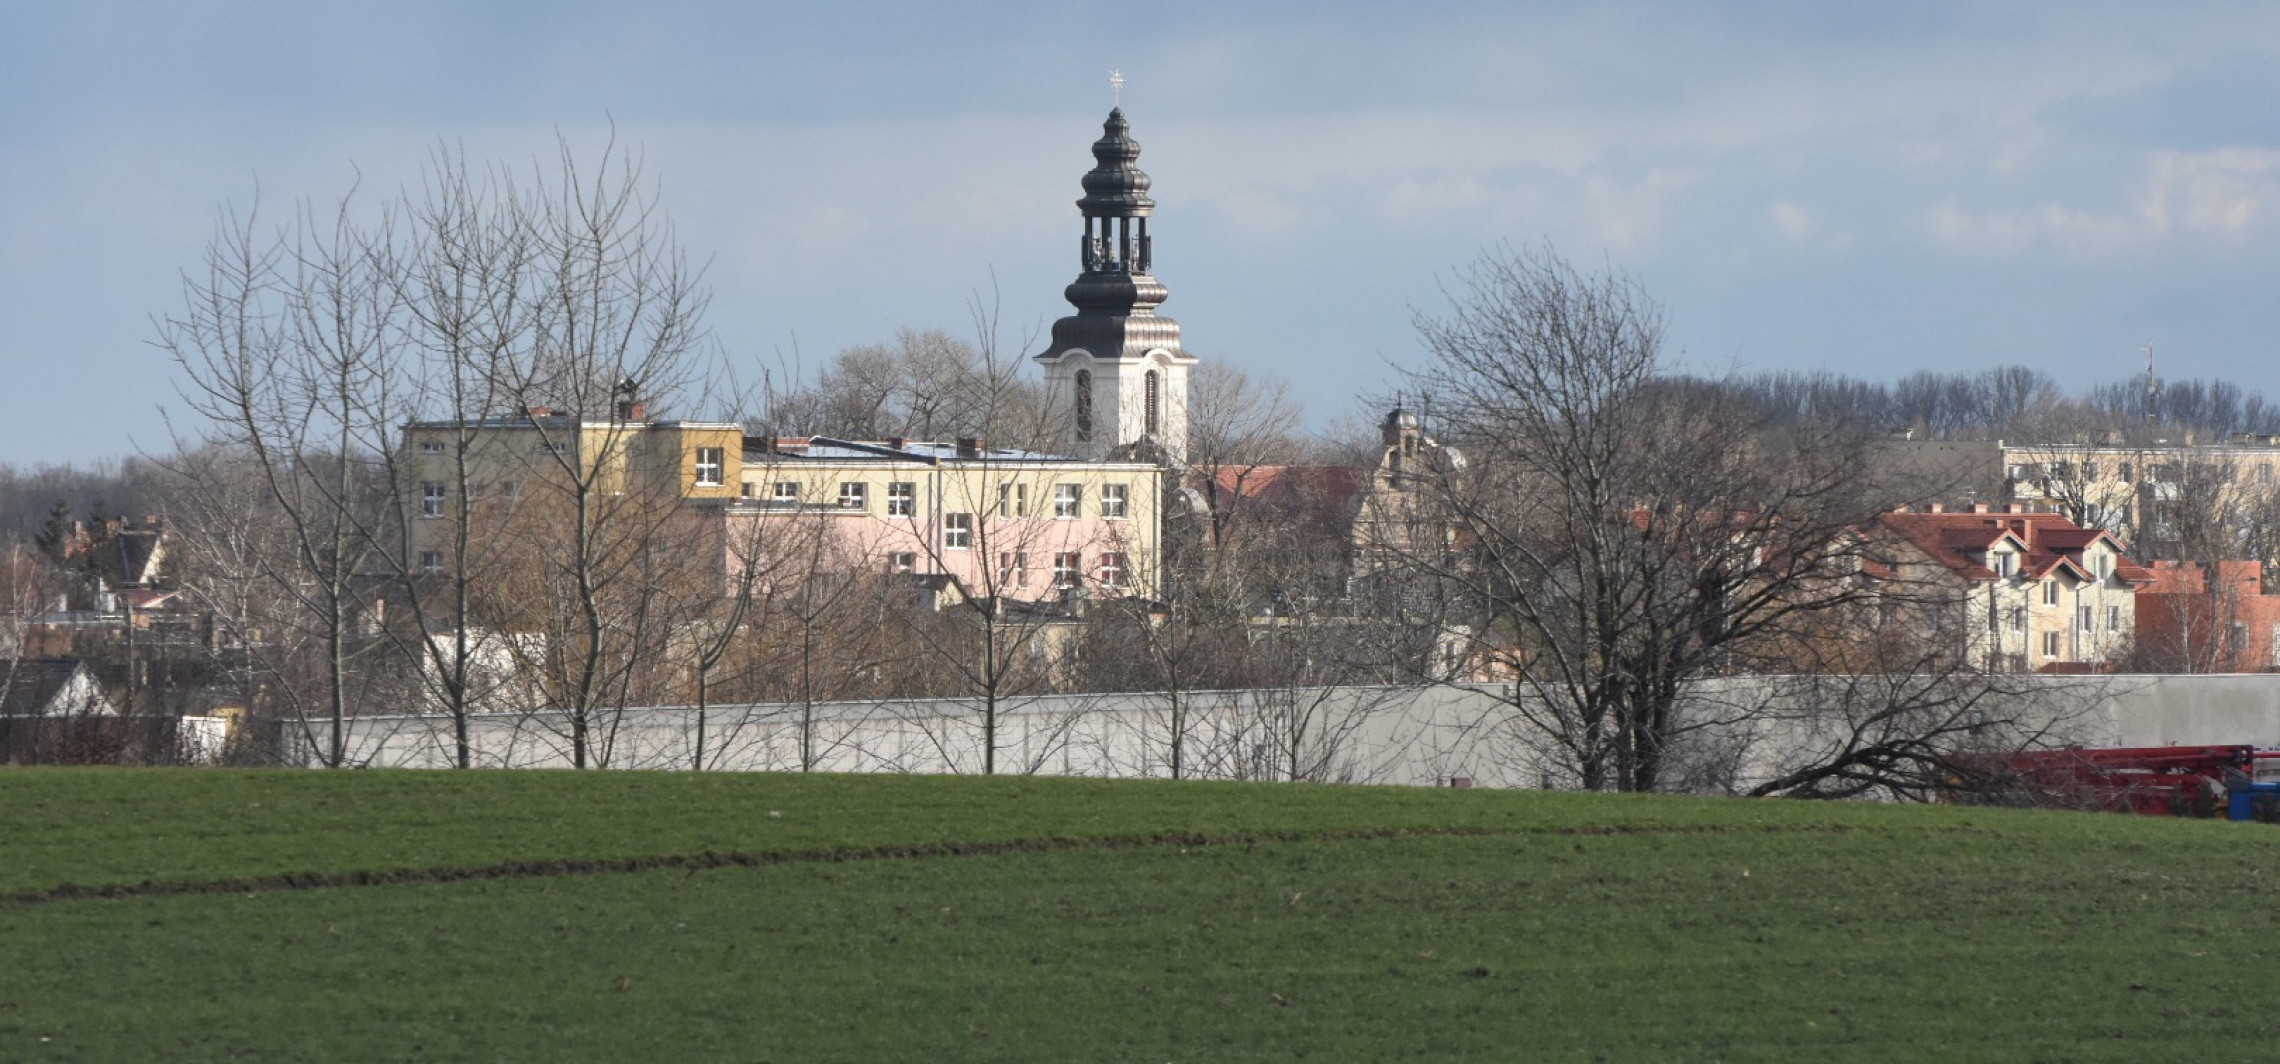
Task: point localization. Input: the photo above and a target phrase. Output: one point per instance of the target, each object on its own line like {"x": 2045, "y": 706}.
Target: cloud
{"x": 1628, "y": 217}
{"x": 2224, "y": 194}
{"x": 1792, "y": 220}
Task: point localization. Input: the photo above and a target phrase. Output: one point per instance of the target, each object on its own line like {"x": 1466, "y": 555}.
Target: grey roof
{"x": 826, "y": 449}
{"x": 29, "y": 686}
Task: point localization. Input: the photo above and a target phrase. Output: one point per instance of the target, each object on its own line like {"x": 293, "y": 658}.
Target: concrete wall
{"x": 1751, "y": 729}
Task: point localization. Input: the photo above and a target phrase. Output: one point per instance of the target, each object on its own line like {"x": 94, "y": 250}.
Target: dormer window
{"x": 2005, "y": 563}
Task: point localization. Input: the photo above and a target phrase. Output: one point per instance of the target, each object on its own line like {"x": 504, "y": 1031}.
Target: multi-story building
{"x": 2014, "y": 590}
{"x": 544, "y": 457}
{"x": 2200, "y": 617}
{"x": 1003, "y": 522}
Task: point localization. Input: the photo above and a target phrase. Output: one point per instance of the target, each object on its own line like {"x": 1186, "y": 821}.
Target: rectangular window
{"x": 2102, "y": 565}
{"x": 902, "y": 499}
{"x": 2052, "y": 642}
{"x": 958, "y": 531}
{"x": 2050, "y": 592}
{"x": 2089, "y": 617}
{"x": 1113, "y": 501}
{"x": 2127, "y": 472}
{"x": 431, "y": 498}
{"x": 512, "y": 489}
{"x": 854, "y": 495}
{"x": 2264, "y": 474}
{"x": 1013, "y": 500}
{"x": 1013, "y": 568}
{"x": 2089, "y": 470}
{"x": 1068, "y": 501}
{"x": 431, "y": 446}
{"x": 710, "y": 462}
{"x": 748, "y": 489}
{"x": 553, "y": 447}
{"x": 2113, "y": 618}
{"x": 902, "y": 561}
{"x": 787, "y": 492}
{"x": 2018, "y": 618}
{"x": 1067, "y": 569}
{"x": 1112, "y": 570}
{"x": 2005, "y": 563}
{"x": 431, "y": 562}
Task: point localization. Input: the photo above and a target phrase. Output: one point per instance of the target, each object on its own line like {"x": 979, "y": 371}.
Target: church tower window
{"x": 1155, "y": 421}
{"x": 1084, "y": 404}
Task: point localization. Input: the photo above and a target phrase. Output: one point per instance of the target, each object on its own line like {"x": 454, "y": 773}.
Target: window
{"x": 2113, "y": 618}
{"x": 1112, "y": 570}
{"x": 431, "y": 498}
{"x": 748, "y": 489}
{"x": 958, "y": 531}
{"x": 2050, "y": 592}
{"x": 854, "y": 495}
{"x": 902, "y": 561}
{"x": 902, "y": 499}
{"x": 2089, "y": 470}
{"x": 710, "y": 462}
{"x": 512, "y": 489}
{"x": 2005, "y": 563}
{"x": 2102, "y": 565}
{"x": 1112, "y": 500}
{"x": 1084, "y": 405}
{"x": 553, "y": 447}
{"x": 431, "y": 446}
{"x": 2089, "y": 617}
{"x": 431, "y": 562}
{"x": 1013, "y": 568}
{"x": 1067, "y": 569}
{"x": 2052, "y": 643}
{"x": 1013, "y": 500}
{"x": 787, "y": 493}
{"x": 2126, "y": 473}
{"x": 2264, "y": 474}
{"x": 2018, "y": 618}
{"x": 1068, "y": 501}
{"x": 1155, "y": 405}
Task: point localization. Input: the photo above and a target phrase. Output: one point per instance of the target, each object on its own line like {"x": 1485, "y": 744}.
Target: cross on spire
{"x": 1116, "y": 85}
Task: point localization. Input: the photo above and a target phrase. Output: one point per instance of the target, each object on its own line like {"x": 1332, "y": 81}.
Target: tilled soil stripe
{"x": 532, "y": 869}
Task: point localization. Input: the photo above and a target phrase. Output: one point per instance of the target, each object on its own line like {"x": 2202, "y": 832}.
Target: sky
{"x": 1867, "y": 189}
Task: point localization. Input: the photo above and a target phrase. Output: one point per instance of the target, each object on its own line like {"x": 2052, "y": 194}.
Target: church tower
{"x": 1116, "y": 363}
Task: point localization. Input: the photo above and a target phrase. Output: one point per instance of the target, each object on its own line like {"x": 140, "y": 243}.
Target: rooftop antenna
{"x": 2152, "y": 387}
{"x": 1116, "y": 86}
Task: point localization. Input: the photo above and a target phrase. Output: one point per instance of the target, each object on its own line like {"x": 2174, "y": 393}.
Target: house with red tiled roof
{"x": 2021, "y": 591}
{"x": 2197, "y": 617}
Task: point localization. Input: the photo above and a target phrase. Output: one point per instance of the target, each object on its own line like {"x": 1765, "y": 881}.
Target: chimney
{"x": 900, "y": 443}
{"x": 970, "y": 446}
{"x": 542, "y": 411}
{"x": 2014, "y": 508}
{"x": 632, "y": 410}
{"x": 1938, "y": 508}
{"x": 1978, "y": 507}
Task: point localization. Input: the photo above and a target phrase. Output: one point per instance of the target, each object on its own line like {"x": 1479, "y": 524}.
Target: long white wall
{"x": 1403, "y": 736}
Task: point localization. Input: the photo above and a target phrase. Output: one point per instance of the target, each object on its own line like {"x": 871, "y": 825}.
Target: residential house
{"x": 2195, "y": 617}
{"x": 2016, "y": 590}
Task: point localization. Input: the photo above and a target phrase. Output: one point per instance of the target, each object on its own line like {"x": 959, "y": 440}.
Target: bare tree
{"x": 1614, "y": 540}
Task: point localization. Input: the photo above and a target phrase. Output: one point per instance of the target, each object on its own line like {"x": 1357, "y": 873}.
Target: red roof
{"x": 2046, "y": 543}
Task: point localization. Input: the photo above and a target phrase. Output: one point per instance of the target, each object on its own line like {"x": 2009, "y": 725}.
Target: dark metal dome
{"x": 1115, "y": 186}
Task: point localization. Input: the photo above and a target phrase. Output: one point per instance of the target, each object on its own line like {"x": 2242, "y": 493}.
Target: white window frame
{"x": 432, "y": 495}
{"x": 1013, "y": 500}
{"x": 2050, "y": 592}
{"x": 2054, "y": 644}
{"x": 1068, "y": 501}
{"x": 712, "y": 462}
{"x": 855, "y": 495}
{"x": 1114, "y": 567}
{"x": 1068, "y": 568}
{"x": 902, "y": 561}
{"x": 902, "y": 498}
{"x": 1013, "y": 568}
{"x": 1115, "y": 502}
{"x": 957, "y": 531}
{"x": 431, "y": 446}
{"x": 431, "y": 562}
{"x": 785, "y": 491}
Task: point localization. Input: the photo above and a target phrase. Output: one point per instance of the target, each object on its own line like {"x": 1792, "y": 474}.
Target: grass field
{"x": 626, "y": 917}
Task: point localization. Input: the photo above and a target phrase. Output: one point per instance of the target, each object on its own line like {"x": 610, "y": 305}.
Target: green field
{"x": 194, "y": 915}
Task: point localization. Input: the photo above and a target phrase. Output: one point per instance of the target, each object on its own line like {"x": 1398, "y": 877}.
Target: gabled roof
{"x": 2045, "y": 543}
{"x": 36, "y": 686}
